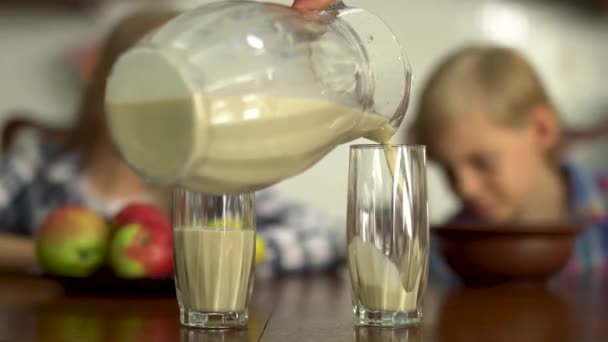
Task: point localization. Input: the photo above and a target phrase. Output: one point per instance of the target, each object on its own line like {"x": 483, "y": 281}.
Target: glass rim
{"x": 414, "y": 147}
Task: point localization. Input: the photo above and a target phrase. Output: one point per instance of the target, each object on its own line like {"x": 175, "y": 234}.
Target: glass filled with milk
{"x": 387, "y": 233}
{"x": 235, "y": 96}
{"x": 214, "y": 239}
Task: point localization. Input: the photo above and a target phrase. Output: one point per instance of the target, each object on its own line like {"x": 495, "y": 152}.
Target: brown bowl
{"x": 490, "y": 254}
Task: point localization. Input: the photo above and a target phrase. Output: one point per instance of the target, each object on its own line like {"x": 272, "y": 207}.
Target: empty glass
{"x": 214, "y": 237}
{"x": 387, "y": 233}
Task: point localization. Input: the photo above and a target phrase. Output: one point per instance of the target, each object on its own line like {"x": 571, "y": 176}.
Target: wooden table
{"x": 313, "y": 308}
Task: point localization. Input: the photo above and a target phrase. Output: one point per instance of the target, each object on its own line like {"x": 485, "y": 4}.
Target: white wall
{"x": 569, "y": 50}
{"x": 31, "y": 46}
{"x": 34, "y": 47}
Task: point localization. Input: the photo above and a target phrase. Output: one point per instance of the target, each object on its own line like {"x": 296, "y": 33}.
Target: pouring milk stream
{"x": 236, "y": 96}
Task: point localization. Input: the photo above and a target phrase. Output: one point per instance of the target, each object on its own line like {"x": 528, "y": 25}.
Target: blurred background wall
{"x": 567, "y": 43}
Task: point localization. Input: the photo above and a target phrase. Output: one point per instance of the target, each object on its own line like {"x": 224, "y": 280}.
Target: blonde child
{"x": 488, "y": 121}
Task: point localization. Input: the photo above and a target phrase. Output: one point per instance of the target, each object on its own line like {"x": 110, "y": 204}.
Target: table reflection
{"x": 209, "y": 335}
{"x": 93, "y": 320}
{"x": 365, "y": 334}
{"x": 122, "y": 319}
{"x": 506, "y": 313}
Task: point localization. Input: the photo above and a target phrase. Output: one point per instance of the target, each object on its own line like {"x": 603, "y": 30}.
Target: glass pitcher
{"x": 235, "y": 96}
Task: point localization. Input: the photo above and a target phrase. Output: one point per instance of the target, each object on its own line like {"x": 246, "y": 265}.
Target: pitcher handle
{"x": 390, "y": 67}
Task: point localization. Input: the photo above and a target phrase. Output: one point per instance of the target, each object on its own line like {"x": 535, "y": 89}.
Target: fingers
{"x": 308, "y": 5}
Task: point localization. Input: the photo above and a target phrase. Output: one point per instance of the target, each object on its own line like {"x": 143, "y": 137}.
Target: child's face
{"x": 492, "y": 168}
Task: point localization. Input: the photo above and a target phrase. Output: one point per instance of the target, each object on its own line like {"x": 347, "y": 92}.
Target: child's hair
{"x": 90, "y": 127}
{"x": 495, "y": 80}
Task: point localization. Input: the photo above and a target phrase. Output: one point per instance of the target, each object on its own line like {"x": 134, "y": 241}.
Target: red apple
{"x": 142, "y": 246}
{"x": 142, "y": 251}
{"x": 72, "y": 241}
{"x": 143, "y": 213}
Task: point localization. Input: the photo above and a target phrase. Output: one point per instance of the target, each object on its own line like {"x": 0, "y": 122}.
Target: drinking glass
{"x": 214, "y": 239}
{"x": 387, "y": 233}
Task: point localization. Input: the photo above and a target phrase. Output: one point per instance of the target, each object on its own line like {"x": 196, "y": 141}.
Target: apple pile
{"x": 77, "y": 242}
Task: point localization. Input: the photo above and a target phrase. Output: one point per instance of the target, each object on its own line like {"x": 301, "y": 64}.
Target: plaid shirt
{"x": 589, "y": 199}
{"x": 589, "y": 206}
{"x": 37, "y": 177}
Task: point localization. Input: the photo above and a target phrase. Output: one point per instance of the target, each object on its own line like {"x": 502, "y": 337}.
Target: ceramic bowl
{"x": 488, "y": 254}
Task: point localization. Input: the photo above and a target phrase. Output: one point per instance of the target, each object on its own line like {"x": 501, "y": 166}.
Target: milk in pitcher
{"x": 235, "y": 144}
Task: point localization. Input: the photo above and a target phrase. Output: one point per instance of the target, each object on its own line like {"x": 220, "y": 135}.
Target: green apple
{"x": 72, "y": 241}
{"x": 142, "y": 250}
{"x": 260, "y": 250}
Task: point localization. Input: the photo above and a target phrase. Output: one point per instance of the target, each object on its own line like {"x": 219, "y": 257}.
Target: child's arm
{"x": 17, "y": 253}
{"x": 296, "y": 237}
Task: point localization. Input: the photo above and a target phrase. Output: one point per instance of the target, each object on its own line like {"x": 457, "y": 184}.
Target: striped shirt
{"x": 37, "y": 177}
